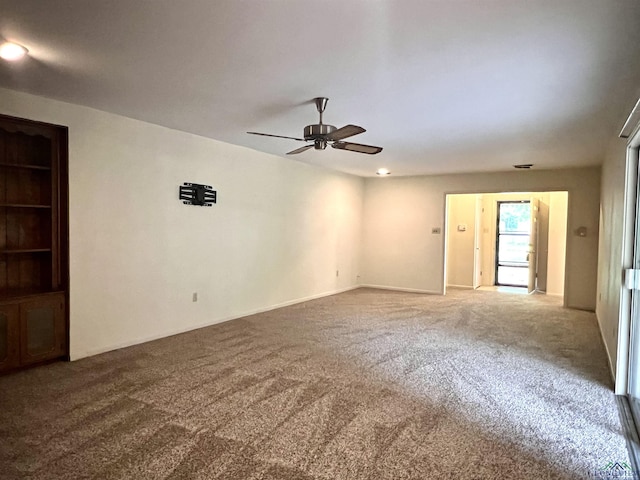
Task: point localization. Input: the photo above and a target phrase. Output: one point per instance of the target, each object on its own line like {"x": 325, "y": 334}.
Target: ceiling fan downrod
{"x": 321, "y": 104}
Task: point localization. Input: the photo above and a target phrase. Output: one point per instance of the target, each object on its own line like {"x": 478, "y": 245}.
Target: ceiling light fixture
{"x": 382, "y": 172}
{"x": 524, "y": 166}
{"x": 12, "y": 51}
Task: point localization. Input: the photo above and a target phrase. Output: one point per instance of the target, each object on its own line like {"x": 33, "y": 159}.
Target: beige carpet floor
{"x": 368, "y": 384}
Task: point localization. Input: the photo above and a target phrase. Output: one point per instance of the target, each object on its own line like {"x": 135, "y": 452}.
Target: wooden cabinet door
{"x": 9, "y": 337}
{"x": 42, "y": 329}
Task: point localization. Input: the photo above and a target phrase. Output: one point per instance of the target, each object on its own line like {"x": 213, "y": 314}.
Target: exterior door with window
{"x": 513, "y": 234}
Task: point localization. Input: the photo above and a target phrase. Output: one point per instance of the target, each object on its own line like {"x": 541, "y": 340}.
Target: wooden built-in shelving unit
{"x": 33, "y": 243}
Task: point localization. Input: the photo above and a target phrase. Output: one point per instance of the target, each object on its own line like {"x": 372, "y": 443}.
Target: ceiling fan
{"x": 322, "y": 135}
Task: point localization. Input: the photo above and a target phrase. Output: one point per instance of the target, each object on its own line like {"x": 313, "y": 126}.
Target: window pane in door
{"x": 513, "y": 275}
{"x": 513, "y": 249}
{"x": 515, "y": 217}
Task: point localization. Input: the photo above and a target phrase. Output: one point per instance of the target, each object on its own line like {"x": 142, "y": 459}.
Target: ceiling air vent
{"x": 632, "y": 121}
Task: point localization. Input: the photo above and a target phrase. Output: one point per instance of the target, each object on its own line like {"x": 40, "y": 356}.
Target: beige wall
{"x": 610, "y": 266}
{"x": 278, "y": 234}
{"x": 399, "y": 250}
{"x": 558, "y": 202}
{"x": 461, "y": 244}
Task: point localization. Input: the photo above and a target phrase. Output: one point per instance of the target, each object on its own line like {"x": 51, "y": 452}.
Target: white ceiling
{"x": 443, "y": 85}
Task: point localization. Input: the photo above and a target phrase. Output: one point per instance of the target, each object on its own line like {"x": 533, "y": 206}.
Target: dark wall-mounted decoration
{"x": 196, "y": 194}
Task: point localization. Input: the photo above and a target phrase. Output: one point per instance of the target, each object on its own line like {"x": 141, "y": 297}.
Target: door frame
{"x": 628, "y": 241}
{"x": 483, "y": 192}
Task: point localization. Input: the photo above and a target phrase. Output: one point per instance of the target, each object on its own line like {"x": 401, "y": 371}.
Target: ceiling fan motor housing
{"x": 318, "y": 131}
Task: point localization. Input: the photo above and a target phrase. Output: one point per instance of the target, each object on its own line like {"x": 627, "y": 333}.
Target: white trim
{"x": 611, "y": 370}
{"x": 401, "y": 289}
{"x": 178, "y": 331}
{"x": 468, "y": 287}
{"x": 628, "y": 233}
{"x": 630, "y": 127}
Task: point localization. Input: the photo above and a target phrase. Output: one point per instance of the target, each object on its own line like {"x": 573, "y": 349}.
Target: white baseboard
{"x": 606, "y": 349}
{"x": 400, "y": 289}
{"x": 468, "y": 287}
{"x": 178, "y": 331}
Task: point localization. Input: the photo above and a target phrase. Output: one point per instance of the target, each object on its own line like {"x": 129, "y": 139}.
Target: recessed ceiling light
{"x": 382, "y": 172}
{"x": 12, "y": 51}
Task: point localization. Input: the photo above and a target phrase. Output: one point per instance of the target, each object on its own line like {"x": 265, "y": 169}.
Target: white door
{"x": 542, "y": 257}
{"x": 532, "y": 256}
{"x": 477, "y": 244}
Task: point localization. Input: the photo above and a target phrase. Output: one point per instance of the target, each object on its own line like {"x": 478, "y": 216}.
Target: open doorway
{"x": 480, "y": 253}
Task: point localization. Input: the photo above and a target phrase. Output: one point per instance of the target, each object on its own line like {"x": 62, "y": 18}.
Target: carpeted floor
{"x": 368, "y": 384}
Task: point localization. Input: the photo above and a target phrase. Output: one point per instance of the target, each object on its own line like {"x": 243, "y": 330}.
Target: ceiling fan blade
{"x": 277, "y": 136}
{"x": 344, "y": 132}
{"x": 357, "y": 147}
{"x": 300, "y": 150}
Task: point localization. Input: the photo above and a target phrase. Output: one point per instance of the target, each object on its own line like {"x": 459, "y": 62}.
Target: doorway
{"x": 513, "y": 234}
{"x": 471, "y": 246}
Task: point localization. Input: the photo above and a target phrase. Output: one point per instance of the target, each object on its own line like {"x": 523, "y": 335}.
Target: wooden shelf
{"x": 34, "y": 248}
{"x": 24, "y": 250}
{"x": 30, "y": 167}
{"x": 12, "y": 294}
{"x": 23, "y": 205}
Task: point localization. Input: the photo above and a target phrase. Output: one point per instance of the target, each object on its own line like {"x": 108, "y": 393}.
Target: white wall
{"x": 399, "y": 250}
{"x": 278, "y": 234}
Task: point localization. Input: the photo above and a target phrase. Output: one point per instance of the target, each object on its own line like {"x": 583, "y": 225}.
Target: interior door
{"x": 477, "y": 244}
{"x": 542, "y": 257}
{"x": 532, "y": 256}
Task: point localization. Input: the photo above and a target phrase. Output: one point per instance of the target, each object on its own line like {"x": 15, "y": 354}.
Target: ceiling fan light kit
{"x": 322, "y": 134}
{"x": 11, "y": 51}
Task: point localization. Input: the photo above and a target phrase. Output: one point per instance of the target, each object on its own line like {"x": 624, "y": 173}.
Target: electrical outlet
{"x": 436, "y": 231}
{"x": 195, "y": 296}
